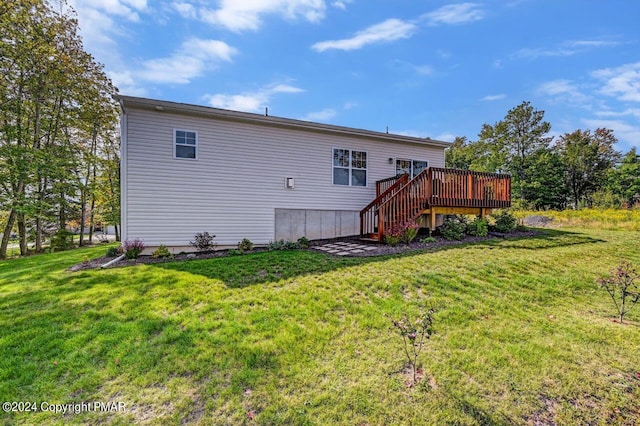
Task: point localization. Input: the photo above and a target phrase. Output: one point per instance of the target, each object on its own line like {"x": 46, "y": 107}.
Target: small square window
{"x": 186, "y": 144}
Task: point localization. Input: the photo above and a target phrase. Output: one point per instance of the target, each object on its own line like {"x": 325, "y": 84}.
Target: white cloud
{"x": 186, "y": 10}
{"x": 564, "y": 91}
{"x": 447, "y": 137}
{"x": 250, "y": 101}
{"x": 389, "y": 30}
{"x": 190, "y": 61}
{"x": 494, "y": 97}
{"x": 460, "y": 13}
{"x": 622, "y": 82}
{"x": 567, "y": 48}
{"x": 341, "y": 4}
{"x": 124, "y": 8}
{"x": 323, "y": 115}
{"x": 635, "y": 112}
{"x": 238, "y": 15}
{"x": 126, "y": 83}
{"x": 622, "y": 130}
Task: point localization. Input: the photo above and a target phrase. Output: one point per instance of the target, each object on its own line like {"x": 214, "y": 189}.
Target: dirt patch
{"x": 537, "y": 221}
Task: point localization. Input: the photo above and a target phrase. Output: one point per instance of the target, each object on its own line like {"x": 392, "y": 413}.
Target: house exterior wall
{"x": 233, "y": 188}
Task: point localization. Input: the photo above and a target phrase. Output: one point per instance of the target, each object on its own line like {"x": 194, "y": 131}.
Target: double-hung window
{"x": 410, "y": 167}
{"x": 186, "y": 144}
{"x": 349, "y": 167}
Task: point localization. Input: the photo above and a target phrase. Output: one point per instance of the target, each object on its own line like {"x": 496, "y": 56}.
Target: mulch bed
{"x": 382, "y": 250}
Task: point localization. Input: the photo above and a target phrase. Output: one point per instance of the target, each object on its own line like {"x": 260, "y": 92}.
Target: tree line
{"x": 577, "y": 169}
{"x": 58, "y": 128}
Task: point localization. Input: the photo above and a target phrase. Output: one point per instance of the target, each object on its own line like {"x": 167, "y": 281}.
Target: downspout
{"x": 123, "y": 173}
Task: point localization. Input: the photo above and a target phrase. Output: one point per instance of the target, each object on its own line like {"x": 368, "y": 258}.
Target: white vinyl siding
{"x": 233, "y": 189}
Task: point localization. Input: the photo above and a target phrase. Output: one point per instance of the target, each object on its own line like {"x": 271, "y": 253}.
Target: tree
{"x": 53, "y": 99}
{"x": 625, "y": 178}
{"x": 587, "y": 158}
{"x": 545, "y": 187}
{"x": 512, "y": 144}
{"x": 460, "y": 154}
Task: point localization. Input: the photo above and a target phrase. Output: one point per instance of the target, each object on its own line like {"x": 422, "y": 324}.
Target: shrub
{"x": 505, "y": 221}
{"x": 282, "y": 245}
{"x": 203, "y": 241}
{"x": 161, "y": 251}
{"x": 479, "y": 227}
{"x": 112, "y": 251}
{"x": 133, "y": 248}
{"x": 303, "y": 242}
{"x": 453, "y": 228}
{"x": 402, "y": 232}
{"x": 414, "y": 333}
{"x": 428, "y": 240}
{"x": 245, "y": 245}
{"x": 235, "y": 252}
{"x": 62, "y": 240}
{"x": 622, "y": 287}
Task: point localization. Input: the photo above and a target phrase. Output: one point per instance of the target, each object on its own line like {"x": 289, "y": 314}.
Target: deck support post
{"x": 432, "y": 219}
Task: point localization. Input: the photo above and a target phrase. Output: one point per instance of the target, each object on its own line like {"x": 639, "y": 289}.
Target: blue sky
{"x": 422, "y": 68}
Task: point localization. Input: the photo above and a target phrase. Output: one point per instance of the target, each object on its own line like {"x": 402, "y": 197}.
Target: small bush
{"x": 404, "y": 232}
{"x": 505, "y": 222}
{"x": 245, "y": 245}
{"x": 113, "y": 251}
{"x": 133, "y": 248}
{"x": 235, "y": 252}
{"x": 161, "y": 252}
{"x": 428, "y": 240}
{"x": 478, "y": 227}
{"x": 62, "y": 240}
{"x": 453, "y": 228}
{"x": 282, "y": 245}
{"x": 303, "y": 242}
{"x": 203, "y": 241}
{"x": 622, "y": 287}
{"x": 414, "y": 333}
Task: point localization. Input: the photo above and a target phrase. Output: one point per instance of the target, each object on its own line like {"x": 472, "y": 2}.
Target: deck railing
{"x": 406, "y": 200}
{"x": 384, "y": 184}
{"x": 464, "y": 188}
{"x": 368, "y": 215}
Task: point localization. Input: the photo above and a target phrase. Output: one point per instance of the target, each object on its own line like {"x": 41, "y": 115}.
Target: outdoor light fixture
{"x": 289, "y": 183}
{"x": 390, "y": 160}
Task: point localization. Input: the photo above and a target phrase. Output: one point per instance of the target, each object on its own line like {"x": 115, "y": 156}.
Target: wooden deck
{"x": 432, "y": 192}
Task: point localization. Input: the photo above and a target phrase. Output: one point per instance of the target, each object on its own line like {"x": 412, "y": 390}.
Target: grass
{"x": 523, "y": 335}
{"x": 613, "y": 219}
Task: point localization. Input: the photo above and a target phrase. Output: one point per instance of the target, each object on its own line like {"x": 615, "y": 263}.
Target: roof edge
{"x": 224, "y": 114}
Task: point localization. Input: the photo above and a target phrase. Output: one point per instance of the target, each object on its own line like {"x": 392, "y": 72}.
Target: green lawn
{"x": 523, "y": 336}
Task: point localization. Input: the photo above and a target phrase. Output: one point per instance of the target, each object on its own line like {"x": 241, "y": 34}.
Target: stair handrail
{"x": 421, "y": 186}
{"x": 402, "y": 179}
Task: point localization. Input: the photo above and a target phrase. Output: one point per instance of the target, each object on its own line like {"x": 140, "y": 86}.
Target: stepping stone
{"x": 332, "y": 251}
{"x": 370, "y": 248}
{"x": 343, "y": 253}
{"x": 357, "y": 251}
